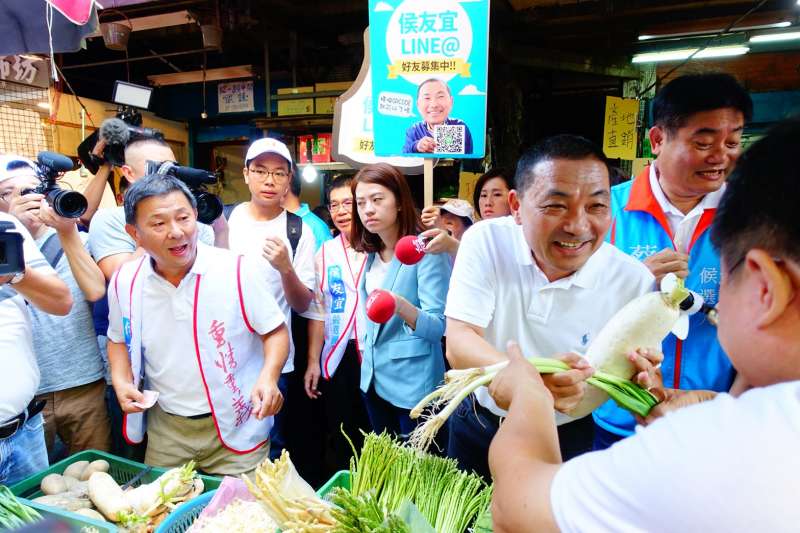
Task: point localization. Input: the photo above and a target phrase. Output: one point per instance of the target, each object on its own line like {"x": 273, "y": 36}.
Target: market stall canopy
{"x": 24, "y": 26}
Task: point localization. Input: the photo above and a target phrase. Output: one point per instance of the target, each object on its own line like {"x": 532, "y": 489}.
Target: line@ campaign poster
{"x": 429, "y": 77}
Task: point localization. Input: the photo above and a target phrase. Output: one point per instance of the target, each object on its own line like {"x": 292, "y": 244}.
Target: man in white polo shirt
{"x": 725, "y": 464}
{"x": 197, "y": 325}
{"x": 544, "y": 277}
{"x": 281, "y": 243}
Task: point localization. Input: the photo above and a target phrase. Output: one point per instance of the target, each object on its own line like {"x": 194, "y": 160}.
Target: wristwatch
{"x": 17, "y": 278}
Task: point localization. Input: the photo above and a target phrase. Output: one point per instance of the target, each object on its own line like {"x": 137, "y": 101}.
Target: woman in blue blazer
{"x": 402, "y": 359}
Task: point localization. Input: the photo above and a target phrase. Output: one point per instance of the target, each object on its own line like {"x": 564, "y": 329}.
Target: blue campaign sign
{"x": 429, "y": 77}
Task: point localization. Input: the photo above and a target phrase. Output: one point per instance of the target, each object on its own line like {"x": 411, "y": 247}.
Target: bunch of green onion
{"x": 449, "y": 499}
{"x": 461, "y": 383}
{"x": 14, "y": 514}
{"x": 363, "y": 514}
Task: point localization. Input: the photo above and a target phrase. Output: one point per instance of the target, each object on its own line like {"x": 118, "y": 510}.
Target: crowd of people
{"x": 166, "y": 340}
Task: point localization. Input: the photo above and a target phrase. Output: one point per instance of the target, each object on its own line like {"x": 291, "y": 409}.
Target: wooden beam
{"x": 549, "y": 18}
{"x": 176, "y": 18}
{"x": 295, "y": 123}
{"x": 521, "y": 5}
{"x": 196, "y": 76}
{"x": 715, "y": 25}
{"x": 556, "y": 60}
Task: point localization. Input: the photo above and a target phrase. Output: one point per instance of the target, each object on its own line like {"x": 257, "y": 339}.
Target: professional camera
{"x": 209, "y": 206}
{"x": 68, "y": 204}
{"x": 12, "y": 259}
{"x": 119, "y": 130}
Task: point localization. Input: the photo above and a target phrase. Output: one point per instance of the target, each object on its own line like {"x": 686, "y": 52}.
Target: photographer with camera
{"x": 111, "y": 246}
{"x": 32, "y": 280}
{"x": 74, "y": 392}
{"x": 96, "y": 185}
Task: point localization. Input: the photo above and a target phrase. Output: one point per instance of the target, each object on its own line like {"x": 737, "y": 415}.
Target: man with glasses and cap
{"x": 22, "y": 447}
{"x": 281, "y": 240}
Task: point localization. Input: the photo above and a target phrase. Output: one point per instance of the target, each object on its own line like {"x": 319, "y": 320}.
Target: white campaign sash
{"x": 229, "y": 352}
{"x": 339, "y": 286}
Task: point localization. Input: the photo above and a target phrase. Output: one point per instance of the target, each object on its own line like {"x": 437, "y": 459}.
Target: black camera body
{"x": 68, "y": 204}
{"x": 209, "y": 206}
{"x": 12, "y": 257}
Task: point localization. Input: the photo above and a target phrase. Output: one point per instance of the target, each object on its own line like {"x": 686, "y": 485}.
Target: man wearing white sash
{"x": 198, "y": 326}
{"x": 337, "y": 321}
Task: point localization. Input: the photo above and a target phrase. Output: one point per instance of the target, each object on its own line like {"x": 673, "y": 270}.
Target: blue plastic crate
{"x": 185, "y": 514}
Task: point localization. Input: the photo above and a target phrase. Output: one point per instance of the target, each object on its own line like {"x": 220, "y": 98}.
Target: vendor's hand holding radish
{"x": 666, "y": 261}
{"x": 648, "y": 366}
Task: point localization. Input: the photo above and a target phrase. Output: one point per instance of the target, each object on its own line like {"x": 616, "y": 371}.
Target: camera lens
{"x": 209, "y": 207}
{"x": 68, "y": 204}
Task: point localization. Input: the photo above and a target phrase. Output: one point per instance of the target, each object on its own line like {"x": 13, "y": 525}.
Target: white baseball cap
{"x": 24, "y": 166}
{"x": 460, "y": 208}
{"x": 268, "y": 145}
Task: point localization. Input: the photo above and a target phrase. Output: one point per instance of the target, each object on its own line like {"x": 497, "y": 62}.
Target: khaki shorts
{"x": 174, "y": 440}
{"x": 78, "y": 416}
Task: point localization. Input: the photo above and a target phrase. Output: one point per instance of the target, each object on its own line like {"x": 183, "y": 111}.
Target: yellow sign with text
{"x": 619, "y": 131}
{"x": 466, "y": 186}
{"x": 429, "y": 66}
{"x": 364, "y": 145}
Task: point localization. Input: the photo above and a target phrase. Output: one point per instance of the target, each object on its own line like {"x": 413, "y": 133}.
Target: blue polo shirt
{"x": 318, "y": 226}
{"x": 640, "y": 229}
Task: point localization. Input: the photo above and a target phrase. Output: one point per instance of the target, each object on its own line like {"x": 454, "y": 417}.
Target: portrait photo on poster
{"x": 429, "y": 75}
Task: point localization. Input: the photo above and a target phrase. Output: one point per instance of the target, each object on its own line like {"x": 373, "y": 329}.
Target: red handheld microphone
{"x": 410, "y": 249}
{"x": 380, "y": 306}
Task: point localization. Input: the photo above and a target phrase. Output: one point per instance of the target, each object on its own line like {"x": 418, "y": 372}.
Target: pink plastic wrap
{"x": 230, "y": 489}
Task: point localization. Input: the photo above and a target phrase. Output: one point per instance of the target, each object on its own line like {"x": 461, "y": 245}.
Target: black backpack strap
{"x": 227, "y": 209}
{"x": 52, "y": 250}
{"x": 294, "y": 230}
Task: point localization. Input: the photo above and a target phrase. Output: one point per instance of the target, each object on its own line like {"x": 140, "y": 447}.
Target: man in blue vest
{"x": 663, "y": 215}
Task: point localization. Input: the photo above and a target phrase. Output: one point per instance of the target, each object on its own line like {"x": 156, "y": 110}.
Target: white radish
{"x": 76, "y": 469}
{"x": 91, "y": 513}
{"x": 175, "y": 484}
{"x": 54, "y": 484}
{"x": 108, "y": 496}
{"x": 95, "y": 466}
{"x": 641, "y": 323}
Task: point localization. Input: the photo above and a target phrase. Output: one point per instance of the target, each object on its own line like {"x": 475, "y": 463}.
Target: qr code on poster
{"x": 449, "y": 139}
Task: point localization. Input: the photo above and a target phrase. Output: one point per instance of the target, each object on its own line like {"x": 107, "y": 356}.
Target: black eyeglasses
{"x": 737, "y": 264}
{"x": 741, "y": 260}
